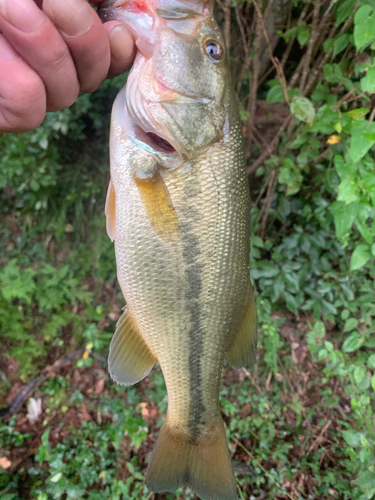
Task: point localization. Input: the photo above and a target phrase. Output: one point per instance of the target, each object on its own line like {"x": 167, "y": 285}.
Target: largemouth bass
{"x": 178, "y": 210}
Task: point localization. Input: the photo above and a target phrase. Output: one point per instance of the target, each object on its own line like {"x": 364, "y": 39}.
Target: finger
{"x": 22, "y": 92}
{"x": 84, "y": 34}
{"x": 122, "y": 47}
{"x": 35, "y": 38}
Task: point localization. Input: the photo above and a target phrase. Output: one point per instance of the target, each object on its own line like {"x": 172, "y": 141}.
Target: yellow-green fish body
{"x": 178, "y": 209}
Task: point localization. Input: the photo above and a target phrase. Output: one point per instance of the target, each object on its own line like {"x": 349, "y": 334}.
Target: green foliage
{"x": 350, "y": 363}
{"x": 89, "y": 455}
{"x": 35, "y": 305}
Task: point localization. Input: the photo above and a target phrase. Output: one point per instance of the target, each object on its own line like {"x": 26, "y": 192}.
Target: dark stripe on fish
{"x": 193, "y": 275}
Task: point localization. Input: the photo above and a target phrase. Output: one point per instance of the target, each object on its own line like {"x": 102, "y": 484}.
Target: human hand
{"x": 50, "y": 50}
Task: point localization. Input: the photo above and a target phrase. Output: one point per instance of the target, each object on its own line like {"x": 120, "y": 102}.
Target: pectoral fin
{"x": 242, "y": 351}
{"x": 110, "y": 211}
{"x": 130, "y": 360}
{"x": 158, "y": 205}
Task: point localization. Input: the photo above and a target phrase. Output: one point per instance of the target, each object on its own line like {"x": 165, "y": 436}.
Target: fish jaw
{"x": 134, "y": 147}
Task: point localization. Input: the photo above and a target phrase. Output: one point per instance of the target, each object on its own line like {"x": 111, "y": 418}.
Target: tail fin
{"x": 202, "y": 464}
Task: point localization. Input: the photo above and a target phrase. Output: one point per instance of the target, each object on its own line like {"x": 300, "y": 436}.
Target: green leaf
{"x": 34, "y": 185}
{"x": 323, "y": 353}
{"x": 343, "y": 168}
{"x": 352, "y": 438}
{"x": 365, "y": 232}
{"x": 358, "y": 374}
{"x": 344, "y": 11}
{"x": 265, "y": 270}
{"x": 371, "y": 361}
{"x": 329, "y": 346}
{"x": 303, "y": 35}
{"x": 291, "y": 176}
{"x": 360, "y": 257}
{"x": 257, "y": 241}
{"x": 344, "y": 216}
{"x": 364, "y": 26}
{"x": 340, "y": 44}
{"x": 56, "y": 477}
{"x": 361, "y": 141}
{"x": 350, "y": 325}
{"x": 17, "y": 283}
{"x": 300, "y": 140}
{"x": 373, "y": 382}
{"x": 348, "y": 191}
{"x": 278, "y": 287}
{"x": 244, "y": 115}
{"x": 358, "y": 113}
{"x": 291, "y": 32}
{"x": 275, "y": 94}
{"x": 303, "y": 109}
{"x": 332, "y": 73}
{"x": 291, "y": 303}
{"x": 368, "y": 81}
{"x": 366, "y": 480}
{"x": 353, "y": 342}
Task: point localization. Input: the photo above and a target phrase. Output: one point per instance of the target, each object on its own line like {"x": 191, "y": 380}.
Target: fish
{"x": 178, "y": 211}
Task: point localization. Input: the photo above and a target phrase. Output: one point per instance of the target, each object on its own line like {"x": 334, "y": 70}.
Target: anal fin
{"x": 130, "y": 359}
{"x": 243, "y": 348}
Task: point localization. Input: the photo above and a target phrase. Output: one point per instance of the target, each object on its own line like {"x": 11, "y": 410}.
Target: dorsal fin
{"x": 243, "y": 348}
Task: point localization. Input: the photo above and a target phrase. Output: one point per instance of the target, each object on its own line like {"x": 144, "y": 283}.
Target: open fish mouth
{"x": 160, "y": 144}
{"x": 152, "y": 141}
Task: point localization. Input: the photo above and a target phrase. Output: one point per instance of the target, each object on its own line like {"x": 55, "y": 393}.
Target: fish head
{"x": 177, "y": 87}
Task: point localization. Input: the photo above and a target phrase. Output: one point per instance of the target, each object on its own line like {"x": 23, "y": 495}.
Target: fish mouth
{"x": 152, "y": 141}
{"x": 159, "y": 144}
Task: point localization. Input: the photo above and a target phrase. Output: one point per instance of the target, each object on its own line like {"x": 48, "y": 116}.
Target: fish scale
{"x": 181, "y": 224}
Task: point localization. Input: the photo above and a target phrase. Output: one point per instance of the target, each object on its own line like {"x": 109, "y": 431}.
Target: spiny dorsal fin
{"x": 130, "y": 360}
{"x": 242, "y": 351}
{"x": 110, "y": 211}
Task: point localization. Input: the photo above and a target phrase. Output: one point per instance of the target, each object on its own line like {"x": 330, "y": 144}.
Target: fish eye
{"x": 213, "y": 50}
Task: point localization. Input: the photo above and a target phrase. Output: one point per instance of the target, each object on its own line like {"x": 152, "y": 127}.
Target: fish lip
{"x": 118, "y": 3}
{"x": 179, "y": 96}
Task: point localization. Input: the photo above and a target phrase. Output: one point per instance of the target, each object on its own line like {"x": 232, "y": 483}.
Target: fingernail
{"x": 22, "y": 14}
{"x": 73, "y": 17}
{"x": 7, "y": 53}
{"x": 122, "y": 44}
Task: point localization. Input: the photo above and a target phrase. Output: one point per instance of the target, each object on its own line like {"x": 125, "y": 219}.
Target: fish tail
{"x": 201, "y": 463}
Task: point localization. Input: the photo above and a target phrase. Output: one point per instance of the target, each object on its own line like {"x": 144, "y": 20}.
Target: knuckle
{"x": 13, "y": 121}
{"x": 94, "y": 74}
{"x": 61, "y": 81}
{"x": 64, "y": 99}
{"x": 59, "y": 58}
